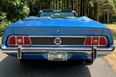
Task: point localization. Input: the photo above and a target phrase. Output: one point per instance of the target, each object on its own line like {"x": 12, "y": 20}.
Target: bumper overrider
{"x": 93, "y": 52}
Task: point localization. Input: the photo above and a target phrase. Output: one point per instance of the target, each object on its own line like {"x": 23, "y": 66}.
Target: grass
{"x": 113, "y": 29}
{"x": 114, "y": 33}
{"x": 0, "y": 39}
{"x": 111, "y": 26}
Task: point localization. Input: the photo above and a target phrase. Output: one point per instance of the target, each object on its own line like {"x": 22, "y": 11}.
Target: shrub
{"x": 3, "y": 22}
{"x": 3, "y": 25}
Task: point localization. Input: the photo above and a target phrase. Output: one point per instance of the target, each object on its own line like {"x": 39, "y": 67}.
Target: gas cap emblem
{"x": 57, "y": 41}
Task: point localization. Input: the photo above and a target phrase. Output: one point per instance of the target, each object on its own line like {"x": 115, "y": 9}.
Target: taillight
{"x": 19, "y": 40}
{"x": 103, "y": 41}
{"x": 96, "y": 41}
{"x": 11, "y": 40}
{"x": 88, "y": 41}
{"x": 27, "y": 41}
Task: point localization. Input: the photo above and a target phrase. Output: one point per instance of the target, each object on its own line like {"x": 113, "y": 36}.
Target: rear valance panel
{"x": 43, "y": 41}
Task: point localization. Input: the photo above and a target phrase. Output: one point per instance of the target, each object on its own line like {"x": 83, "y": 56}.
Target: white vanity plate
{"x": 57, "y": 56}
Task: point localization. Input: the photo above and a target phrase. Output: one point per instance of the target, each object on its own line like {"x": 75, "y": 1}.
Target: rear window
{"x": 57, "y": 14}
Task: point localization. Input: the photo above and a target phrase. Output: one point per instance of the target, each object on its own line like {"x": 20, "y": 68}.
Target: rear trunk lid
{"x": 62, "y": 27}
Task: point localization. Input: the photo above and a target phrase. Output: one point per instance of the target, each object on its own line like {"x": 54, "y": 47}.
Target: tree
{"x": 14, "y": 9}
{"x": 107, "y": 7}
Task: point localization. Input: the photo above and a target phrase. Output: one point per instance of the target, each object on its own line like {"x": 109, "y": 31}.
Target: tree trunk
{"x": 81, "y": 8}
{"x": 108, "y": 19}
{"x": 31, "y": 9}
{"x": 87, "y": 8}
{"x": 72, "y": 5}
{"x": 90, "y": 12}
{"x": 96, "y": 10}
{"x": 83, "y": 13}
{"x": 56, "y": 5}
{"x": 67, "y": 4}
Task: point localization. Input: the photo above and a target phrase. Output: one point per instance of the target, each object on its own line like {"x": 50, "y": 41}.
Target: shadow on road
{"x": 11, "y": 67}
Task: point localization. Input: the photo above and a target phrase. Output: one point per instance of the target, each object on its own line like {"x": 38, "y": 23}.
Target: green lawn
{"x": 114, "y": 33}
{"x": 0, "y": 40}
{"x": 111, "y": 26}
{"x": 113, "y": 29}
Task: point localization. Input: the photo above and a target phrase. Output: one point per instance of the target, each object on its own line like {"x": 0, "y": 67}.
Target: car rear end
{"x": 57, "y": 43}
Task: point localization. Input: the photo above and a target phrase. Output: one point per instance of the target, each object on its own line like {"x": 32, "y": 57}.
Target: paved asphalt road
{"x": 11, "y": 67}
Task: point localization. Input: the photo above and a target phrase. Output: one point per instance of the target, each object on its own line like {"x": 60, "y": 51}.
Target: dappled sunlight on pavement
{"x": 12, "y": 67}
{"x": 2, "y": 56}
{"x": 111, "y": 59}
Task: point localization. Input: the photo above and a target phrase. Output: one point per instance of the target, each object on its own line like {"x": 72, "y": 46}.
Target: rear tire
{"x": 22, "y": 60}
{"x": 89, "y": 61}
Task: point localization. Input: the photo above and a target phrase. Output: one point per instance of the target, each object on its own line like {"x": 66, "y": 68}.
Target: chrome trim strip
{"x": 64, "y": 45}
{"x": 68, "y": 36}
{"x": 44, "y": 51}
{"x": 60, "y": 36}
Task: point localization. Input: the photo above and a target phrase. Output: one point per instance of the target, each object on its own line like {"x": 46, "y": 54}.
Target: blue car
{"x": 57, "y": 35}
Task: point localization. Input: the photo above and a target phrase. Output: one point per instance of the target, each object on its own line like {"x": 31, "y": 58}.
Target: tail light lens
{"x": 19, "y": 40}
{"x": 103, "y": 41}
{"x": 27, "y": 41}
{"x": 97, "y": 41}
{"x": 11, "y": 40}
{"x": 88, "y": 41}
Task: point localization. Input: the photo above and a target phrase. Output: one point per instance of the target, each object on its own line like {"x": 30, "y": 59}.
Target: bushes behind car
{"x": 3, "y": 22}
{"x": 3, "y": 25}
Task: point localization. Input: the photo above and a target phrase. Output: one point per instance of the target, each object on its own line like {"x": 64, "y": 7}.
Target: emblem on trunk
{"x": 94, "y": 31}
{"x": 57, "y": 41}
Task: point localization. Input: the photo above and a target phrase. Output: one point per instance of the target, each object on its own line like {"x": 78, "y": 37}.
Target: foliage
{"x": 2, "y": 15}
{"x": 108, "y": 5}
{"x": 3, "y": 25}
{"x": 3, "y": 22}
{"x": 14, "y": 9}
{"x": 0, "y": 40}
{"x": 113, "y": 18}
{"x": 10, "y": 11}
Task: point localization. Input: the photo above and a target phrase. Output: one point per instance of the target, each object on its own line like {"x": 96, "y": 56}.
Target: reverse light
{"x": 95, "y": 40}
{"x": 19, "y": 40}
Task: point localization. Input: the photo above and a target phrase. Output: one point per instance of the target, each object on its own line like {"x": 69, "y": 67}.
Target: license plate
{"x": 57, "y": 56}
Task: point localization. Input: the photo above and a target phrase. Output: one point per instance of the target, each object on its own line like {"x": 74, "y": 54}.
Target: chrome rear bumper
{"x": 74, "y": 49}
{"x": 98, "y": 52}
{"x": 47, "y": 49}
